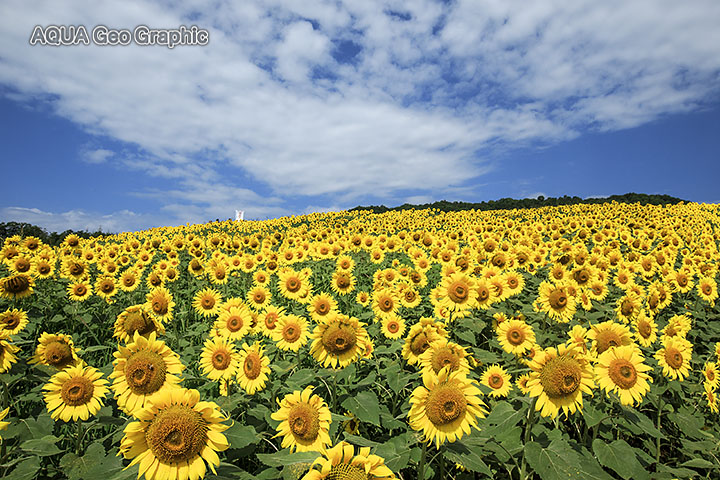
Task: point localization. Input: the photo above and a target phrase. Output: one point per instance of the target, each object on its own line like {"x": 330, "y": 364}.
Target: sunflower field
{"x": 573, "y": 342}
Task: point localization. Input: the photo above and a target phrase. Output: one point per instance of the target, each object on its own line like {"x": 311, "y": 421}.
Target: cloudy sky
{"x": 297, "y": 106}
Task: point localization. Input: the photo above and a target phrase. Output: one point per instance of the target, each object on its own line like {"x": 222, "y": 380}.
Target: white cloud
{"x": 97, "y": 156}
{"x": 429, "y": 88}
{"x": 115, "y": 222}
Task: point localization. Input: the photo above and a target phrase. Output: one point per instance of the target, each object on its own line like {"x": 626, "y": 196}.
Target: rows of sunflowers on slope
{"x": 179, "y": 332}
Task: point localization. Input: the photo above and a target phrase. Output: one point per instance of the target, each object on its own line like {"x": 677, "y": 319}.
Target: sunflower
{"x": 710, "y": 372}
{"x": 458, "y": 292}
{"x": 578, "y": 338}
{"x": 142, "y": 369}
{"x": 606, "y": 335}
{"x": 175, "y": 435}
{"x": 258, "y": 297}
{"x": 678, "y": 326}
{"x": 341, "y": 463}
{"x": 498, "y": 380}
{"x": 7, "y": 353}
{"x": 321, "y": 306}
{"x": 555, "y": 300}
{"x": 79, "y": 291}
{"x": 55, "y": 350}
{"x": 254, "y": 368}
{"x": 522, "y": 383}
{"x": 75, "y": 393}
{"x": 515, "y": 336}
{"x": 363, "y": 298}
{"x": 621, "y": 370}
{"x": 234, "y": 322}
{"x": 207, "y": 302}
{"x": 443, "y": 354}
{"x": 485, "y": 293}
{"x": 304, "y": 421}
{"x": 12, "y": 321}
{"x": 160, "y": 302}
{"x": 4, "y": 425}
{"x": 385, "y": 302}
{"x": 105, "y": 287}
{"x": 43, "y": 268}
{"x": 16, "y": 286}
{"x": 446, "y": 407}
{"x": 393, "y": 326}
{"x": 218, "y": 359}
{"x": 710, "y": 397}
{"x": 514, "y": 282}
{"x": 292, "y": 285}
{"x": 674, "y": 357}
{"x": 268, "y": 319}
{"x": 707, "y": 290}
{"x": 628, "y": 307}
{"x": 419, "y": 338}
{"x": 136, "y": 318}
{"x": 129, "y": 280}
{"x": 343, "y": 282}
{"x": 345, "y": 262}
{"x": 558, "y": 379}
{"x": 645, "y": 329}
{"x": 338, "y": 341}
{"x": 291, "y": 332}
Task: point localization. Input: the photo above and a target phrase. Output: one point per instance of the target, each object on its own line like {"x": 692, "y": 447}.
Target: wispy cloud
{"x": 357, "y": 100}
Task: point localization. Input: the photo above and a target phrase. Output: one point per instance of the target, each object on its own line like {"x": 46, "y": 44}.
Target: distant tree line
{"x": 540, "y": 201}
{"x": 8, "y": 229}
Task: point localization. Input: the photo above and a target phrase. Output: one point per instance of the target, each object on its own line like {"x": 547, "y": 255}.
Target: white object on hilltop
{"x": 239, "y": 215}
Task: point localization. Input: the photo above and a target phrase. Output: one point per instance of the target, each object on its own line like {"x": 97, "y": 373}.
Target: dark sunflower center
{"x": 11, "y": 321}
{"x": 561, "y": 377}
{"x": 107, "y": 286}
{"x": 145, "y": 372}
{"x": 496, "y": 381}
{"x": 445, "y": 404}
{"x": 234, "y": 323}
{"x": 43, "y": 268}
{"x": 270, "y": 320}
{"x": 177, "y": 434}
{"x": 221, "y": 359}
{"x": 445, "y": 357}
{"x": 606, "y": 339}
{"x": 17, "y": 284}
{"x": 710, "y": 375}
{"x": 252, "y": 366}
{"x": 419, "y": 343}
{"x": 160, "y": 305}
{"x": 706, "y": 289}
{"x": 128, "y": 280}
{"x": 138, "y": 321}
{"x": 673, "y": 358}
{"x": 483, "y": 293}
{"x": 259, "y": 297}
{"x": 77, "y": 391}
{"x": 515, "y": 336}
{"x": 291, "y": 333}
{"x": 343, "y": 282}
{"x": 208, "y": 303}
{"x": 623, "y": 373}
{"x": 293, "y": 285}
{"x": 682, "y": 280}
{"x": 76, "y": 269}
{"x": 581, "y": 276}
{"x": 22, "y": 265}
{"x": 557, "y": 299}
{"x": 322, "y": 308}
{"x": 645, "y": 329}
{"x": 512, "y": 282}
{"x": 386, "y": 304}
{"x": 339, "y": 338}
{"x": 58, "y": 354}
{"x": 393, "y": 326}
{"x": 627, "y": 307}
{"x": 458, "y": 292}
{"x": 304, "y": 422}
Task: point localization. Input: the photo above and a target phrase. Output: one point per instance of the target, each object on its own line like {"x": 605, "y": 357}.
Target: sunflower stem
{"x": 657, "y": 423}
{"x": 527, "y": 435}
{"x": 334, "y": 391}
{"x": 421, "y": 465}
{"x": 441, "y": 459}
{"x": 78, "y": 440}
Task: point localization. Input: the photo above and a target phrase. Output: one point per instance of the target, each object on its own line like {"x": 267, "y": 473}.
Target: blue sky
{"x": 297, "y": 106}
